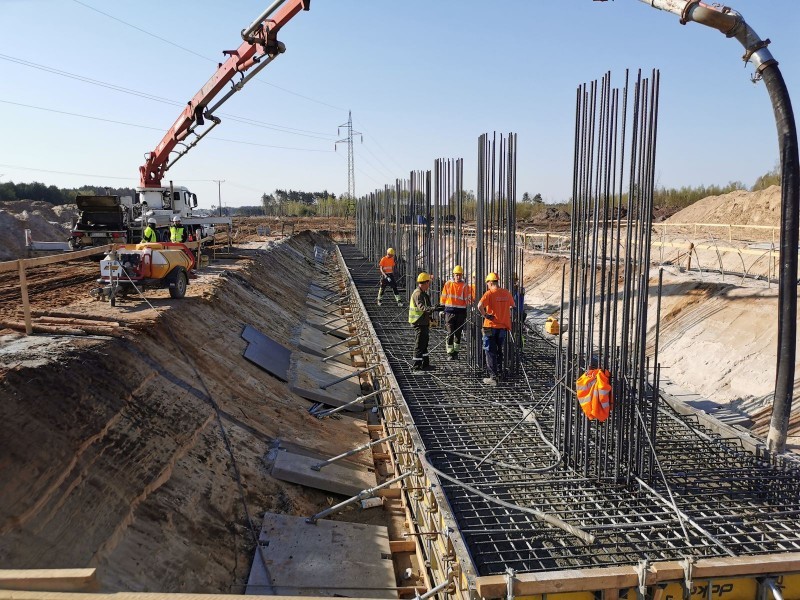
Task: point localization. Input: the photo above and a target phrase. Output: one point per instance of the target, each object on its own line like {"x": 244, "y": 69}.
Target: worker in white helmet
{"x": 149, "y": 235}
{"x": 177, "y": 233}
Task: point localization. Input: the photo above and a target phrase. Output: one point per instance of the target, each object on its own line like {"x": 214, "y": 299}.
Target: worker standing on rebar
{"x": 149, "y": 234}
{"x": 420, "y": 310}
{"x": 386, "y": 268}
{"x": 456, "y": 296}
{"x": 495, "y": 306}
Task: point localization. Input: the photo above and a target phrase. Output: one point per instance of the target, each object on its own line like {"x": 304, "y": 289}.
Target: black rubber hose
{"x": 787, "y": 302}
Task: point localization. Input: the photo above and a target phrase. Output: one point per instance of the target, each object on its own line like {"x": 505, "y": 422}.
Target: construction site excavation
{"x": 423, "y": 397}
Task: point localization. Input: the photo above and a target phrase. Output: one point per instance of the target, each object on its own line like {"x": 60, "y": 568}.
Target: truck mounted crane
{"x": 154, "y": 200}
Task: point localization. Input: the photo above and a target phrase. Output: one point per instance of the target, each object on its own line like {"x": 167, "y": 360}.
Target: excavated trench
{"x": 138, "y": 454}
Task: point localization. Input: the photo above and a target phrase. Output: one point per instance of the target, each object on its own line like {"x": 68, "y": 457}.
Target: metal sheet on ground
{"x": 266, "y": 353}
{"x": 309, "y": 373}
{"x": 313, "y": 341}
{"x": 333, "y": 326}
{"x": 337, "y": 478}
{"x": 326, "y": 559}
{"x": 322, "y": 292}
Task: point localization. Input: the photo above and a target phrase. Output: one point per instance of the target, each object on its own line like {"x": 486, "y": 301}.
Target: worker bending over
{"x": 386, "y": 267}
{"x": 456, "y": 296}
{"x": 495, "y": 306}
{"x": 420, "y": 310}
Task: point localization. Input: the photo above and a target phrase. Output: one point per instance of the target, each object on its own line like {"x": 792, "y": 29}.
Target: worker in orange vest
{"x": 594, "y": 393}
{"x": 386, "y": 267}
{"x": 495, "y": 306}
{"x": 456, "y": 296}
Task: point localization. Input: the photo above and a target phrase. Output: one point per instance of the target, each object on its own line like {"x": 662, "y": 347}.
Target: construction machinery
{"x": 132, "y": 267}
{"x": 162, "y": 202}
{"x": 259, "y": 48}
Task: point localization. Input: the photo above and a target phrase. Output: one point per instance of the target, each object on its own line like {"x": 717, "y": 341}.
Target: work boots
{"x": 426, "y": 364}
{"x": 491, "y": 381}
{"x": 379, "y": 299}
{"x": 397, "y": 299}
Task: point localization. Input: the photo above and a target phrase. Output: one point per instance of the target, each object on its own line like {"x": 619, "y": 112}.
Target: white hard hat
{"x": 176, "y": 219}
{"x": 151, "y": 220}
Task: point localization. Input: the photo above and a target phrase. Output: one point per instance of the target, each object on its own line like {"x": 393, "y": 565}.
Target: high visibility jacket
{"x": 456, "y": 295}
{"x": 594, "y": 394}
{"x": 418, "y": 305}
{"x": 149, "y": 235}
{"x": 176, "y": 234}
{"x": 387, "y": 265}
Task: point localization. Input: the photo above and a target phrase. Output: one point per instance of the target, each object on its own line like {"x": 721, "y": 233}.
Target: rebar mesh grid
{"x": 709, "y": 496}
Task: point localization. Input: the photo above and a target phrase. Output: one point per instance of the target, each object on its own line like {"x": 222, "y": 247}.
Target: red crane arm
{"x": 260, "y": 40}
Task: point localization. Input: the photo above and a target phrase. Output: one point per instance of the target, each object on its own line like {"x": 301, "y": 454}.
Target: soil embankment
{"x": 132, "y": 454}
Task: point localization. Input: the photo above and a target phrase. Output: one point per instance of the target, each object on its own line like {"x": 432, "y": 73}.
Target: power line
{"x": 71, "y": 114}
{"x": 171, "y": 43}
{"x": 118, "y": 88}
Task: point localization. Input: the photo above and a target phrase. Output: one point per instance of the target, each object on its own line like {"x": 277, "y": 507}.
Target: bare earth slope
{"x": 735, "y": 208}
{"x": 112, "y": 450}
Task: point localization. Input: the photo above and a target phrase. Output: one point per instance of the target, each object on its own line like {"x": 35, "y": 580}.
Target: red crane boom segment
{"x": 260, "y": 41}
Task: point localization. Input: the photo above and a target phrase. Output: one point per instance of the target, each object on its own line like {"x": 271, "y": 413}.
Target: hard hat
{"x": 492, "y": 277}
{"x": 176, "y": 219}
{"x": 423, "y": 277}
{"x": 151, "y": 220}
{"x": 390, "y": 251}
{"x": 458, "y": 270}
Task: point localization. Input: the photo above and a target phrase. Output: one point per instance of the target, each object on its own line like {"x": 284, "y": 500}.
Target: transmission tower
{"x": 351, "y": 175}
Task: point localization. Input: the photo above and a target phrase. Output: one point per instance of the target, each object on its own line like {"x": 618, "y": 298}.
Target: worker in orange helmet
{"x": 456, "y": 296}
{"x": 495, "y": 306}
{"x": 386, "y": 267}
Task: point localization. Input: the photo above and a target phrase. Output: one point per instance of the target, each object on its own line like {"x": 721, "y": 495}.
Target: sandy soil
{"x": 113, "y": 452}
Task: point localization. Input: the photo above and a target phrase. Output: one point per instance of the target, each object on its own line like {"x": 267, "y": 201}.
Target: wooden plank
{"x": 67, "y": 256}
{"x": 402, "y": 546}
{"x": 48, "y": 580}
{"x": 586, "y": 580}
{"x": 26, "y": 306}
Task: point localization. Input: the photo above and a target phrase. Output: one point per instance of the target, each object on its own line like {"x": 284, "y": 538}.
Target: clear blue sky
{"x": 423, "y": 78}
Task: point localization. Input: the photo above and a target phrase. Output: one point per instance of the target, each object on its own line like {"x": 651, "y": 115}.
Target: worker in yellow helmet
{"x": 456, "y": 296}
{"x": 386, "y": 267}
{"x": 420, "y": 310}
{"x": 495, "y": 306}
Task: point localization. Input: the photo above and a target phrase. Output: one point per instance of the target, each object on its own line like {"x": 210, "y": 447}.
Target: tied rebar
{"x": 608, "y": 282}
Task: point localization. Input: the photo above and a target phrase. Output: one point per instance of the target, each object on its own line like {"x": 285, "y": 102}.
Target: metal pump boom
{"x": 260, "y": 47}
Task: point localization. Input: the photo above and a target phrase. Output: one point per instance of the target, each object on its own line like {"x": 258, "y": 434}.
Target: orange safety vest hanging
{"x": 594, "y": 394}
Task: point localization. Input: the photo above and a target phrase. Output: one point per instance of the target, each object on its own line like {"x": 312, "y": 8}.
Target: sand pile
{"x": 735, "y": 208}
{"x": 47, "y": 223}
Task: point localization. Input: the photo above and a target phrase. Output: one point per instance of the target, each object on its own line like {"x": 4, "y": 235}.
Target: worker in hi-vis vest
{"x": 420, "y": 310}
{"x": 456, "y": 296}
{"x": 149, "y": 235}
{"x": 386, "y": 267}
{"x": 177, "y": 233}
{"x": 495, "y": 306}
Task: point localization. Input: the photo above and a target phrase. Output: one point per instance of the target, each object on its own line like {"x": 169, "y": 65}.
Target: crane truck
{"x": 111, "y": 219}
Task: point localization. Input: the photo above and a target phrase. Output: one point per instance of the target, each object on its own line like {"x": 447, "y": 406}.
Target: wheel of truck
{"x": 181, "y": 281}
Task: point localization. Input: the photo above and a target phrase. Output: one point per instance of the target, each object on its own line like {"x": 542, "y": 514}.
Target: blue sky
{"x": 424, "y": 78}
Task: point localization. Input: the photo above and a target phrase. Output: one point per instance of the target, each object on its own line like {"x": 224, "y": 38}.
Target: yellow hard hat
{"x": 492, "y": 277}
{"x": 390, "y": 251}
{"x": 458, "y": 270}
{"x": 423, "y": 277}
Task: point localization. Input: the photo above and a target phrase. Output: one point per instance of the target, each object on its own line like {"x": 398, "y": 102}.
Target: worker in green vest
{"x": 149, "y": 235}
{"x": 177, "y": 233}
{"x": 419, "y": 315}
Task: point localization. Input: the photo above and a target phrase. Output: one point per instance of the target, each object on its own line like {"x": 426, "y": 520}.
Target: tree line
{"x": 54, "y": 195}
